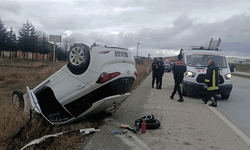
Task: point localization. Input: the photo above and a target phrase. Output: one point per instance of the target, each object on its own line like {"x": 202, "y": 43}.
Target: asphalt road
{"x": 190, "y": 125}
{"x": 237, "y": 108}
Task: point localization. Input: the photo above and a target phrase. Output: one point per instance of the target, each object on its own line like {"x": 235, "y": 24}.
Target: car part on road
{"x": 17, "y": 100}
{"x": 149, "y": 118}
{"x": 37, "y": 141}
{"x": 126, "y": 126}
{"x": 115, "y": 132}
{"x": 151, "y": 122}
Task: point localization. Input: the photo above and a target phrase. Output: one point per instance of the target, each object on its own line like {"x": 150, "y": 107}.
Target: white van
{"x": 197, "y": 61}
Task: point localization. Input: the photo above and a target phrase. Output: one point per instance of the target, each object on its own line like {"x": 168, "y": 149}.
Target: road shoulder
{"x": 188, "y": 125}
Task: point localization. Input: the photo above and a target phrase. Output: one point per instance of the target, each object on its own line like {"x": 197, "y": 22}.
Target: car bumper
{"x": 167, "y": 69}
{"x": 197, "y": 89}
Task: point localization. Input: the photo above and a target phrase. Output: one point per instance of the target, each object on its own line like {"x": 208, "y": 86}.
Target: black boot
{"x": 181, "y": 99}
{"x": 152, "y": 85}
{"x": 172, "y": 97}
{"x": 213, "y": 105}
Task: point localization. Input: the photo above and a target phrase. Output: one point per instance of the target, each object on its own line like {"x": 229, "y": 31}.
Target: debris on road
{"x": 115, "y": 132}
{"x": 143, "y": 127}
{"x": 126, "y": 126}
{"x": 81, "y": 131}
{"x": 150, "y": 120}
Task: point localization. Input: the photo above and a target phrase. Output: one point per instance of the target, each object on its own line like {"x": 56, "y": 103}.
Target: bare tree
{"x": 66, "y": 43}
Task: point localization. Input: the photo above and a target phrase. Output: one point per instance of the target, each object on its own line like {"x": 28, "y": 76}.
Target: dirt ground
{"x": 22, "y": 73}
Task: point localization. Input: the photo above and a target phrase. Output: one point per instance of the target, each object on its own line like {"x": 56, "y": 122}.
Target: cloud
{"x": 162, "y": 26}
{"x": 234, "y": 33}
{"x": 9, "y": 7}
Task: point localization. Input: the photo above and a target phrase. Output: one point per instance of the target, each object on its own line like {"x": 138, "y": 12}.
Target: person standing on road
{"x": 161, "y": 72}
{"x": 179, "y": 68}
{"x": 155, "y": 67}
{"x": 212, "y": 81}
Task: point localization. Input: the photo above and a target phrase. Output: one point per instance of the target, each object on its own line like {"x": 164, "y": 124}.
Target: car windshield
{"x": 202, "y": 60}
{"x": 166, "y": 63}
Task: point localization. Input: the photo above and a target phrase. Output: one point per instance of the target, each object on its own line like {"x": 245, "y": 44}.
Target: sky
{"x": 161, "y": 27}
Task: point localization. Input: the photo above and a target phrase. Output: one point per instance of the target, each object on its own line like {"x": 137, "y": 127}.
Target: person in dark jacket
{"x": 160, "y": 72}
{"x": 155, "y": 67}
{"x": 179, "y": 68}
{"x": 212, "y": 81}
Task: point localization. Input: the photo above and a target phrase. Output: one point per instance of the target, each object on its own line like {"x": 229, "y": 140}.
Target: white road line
{"x": 232, "y": 126}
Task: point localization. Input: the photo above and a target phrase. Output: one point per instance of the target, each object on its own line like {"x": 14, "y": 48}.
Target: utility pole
{"x": 137, "y": 48}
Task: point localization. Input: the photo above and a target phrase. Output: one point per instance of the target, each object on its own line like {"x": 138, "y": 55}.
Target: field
{"x": 242, "y": 67}
{"x": 21, "y": 73}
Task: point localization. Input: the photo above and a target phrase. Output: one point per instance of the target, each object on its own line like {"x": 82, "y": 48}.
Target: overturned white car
{"x": 94, "y": 79}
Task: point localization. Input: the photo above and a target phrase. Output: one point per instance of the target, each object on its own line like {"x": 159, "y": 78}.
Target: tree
{"x": 27, "y": 40}
{"x": 11, "y": 41}
{"x": 61, "y": 55}
{"x": 3, "y": 37}
{"x": 66, "y": 43}
{"x": 43, "y": 44}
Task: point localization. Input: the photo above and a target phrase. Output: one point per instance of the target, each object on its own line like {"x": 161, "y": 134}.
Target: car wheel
{"x": 225, "y": 96}
{"x": 17, "y": 100}
{"x": 78, "y": 58}
{"x": 184, "y": 93}
{"x": 149, "y": 125}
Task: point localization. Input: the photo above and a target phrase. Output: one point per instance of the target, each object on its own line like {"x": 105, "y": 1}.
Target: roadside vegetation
{"x": 23, "y": 72}
{"x": 242, "y": 67}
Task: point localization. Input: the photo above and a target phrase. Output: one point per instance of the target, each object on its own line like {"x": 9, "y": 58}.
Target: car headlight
{"x": 190, "y": 74}
{"x": 228, "y": 76}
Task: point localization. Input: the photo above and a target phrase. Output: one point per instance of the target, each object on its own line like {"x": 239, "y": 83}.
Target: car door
{"x": 67, "y": 88}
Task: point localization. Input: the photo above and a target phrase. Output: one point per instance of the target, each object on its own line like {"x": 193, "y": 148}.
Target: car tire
{"x": 17, "y": 100}
{"x": 149, "y": 125}
{"x": 225, "y": 96}
{"x": 184, "y": 93}
{"x": 78, "y": 58}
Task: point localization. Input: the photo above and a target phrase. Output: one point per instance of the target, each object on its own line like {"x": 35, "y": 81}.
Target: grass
{"x": 242, "y": 67}
{"x": 31, "y": 73}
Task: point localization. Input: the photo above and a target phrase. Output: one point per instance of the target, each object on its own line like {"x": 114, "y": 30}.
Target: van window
{"x": 202, "y": 60}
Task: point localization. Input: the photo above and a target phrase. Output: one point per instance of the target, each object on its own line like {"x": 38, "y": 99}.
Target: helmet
{"x": 155, "y": 59}
{"x": 160, "y": 58}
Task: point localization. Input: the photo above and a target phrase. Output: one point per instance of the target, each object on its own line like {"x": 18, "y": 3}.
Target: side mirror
{"x": 232, "y": 68}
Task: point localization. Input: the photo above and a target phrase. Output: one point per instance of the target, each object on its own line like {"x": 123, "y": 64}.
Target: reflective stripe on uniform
{"x": 207, "y": 80}
{"x": 212, "y": 88}
{"x": 218, "y": 76}
{"x": 213, "y": 79}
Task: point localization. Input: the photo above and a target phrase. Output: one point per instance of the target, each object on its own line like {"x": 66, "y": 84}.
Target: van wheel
{"x": 225, "y": 96}
{"x": 78, "y": 58}
{"x": 184, "y": 93}
{"x": 17, "y": 100}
